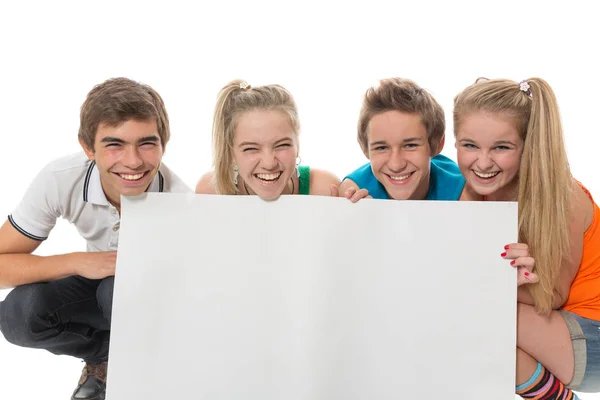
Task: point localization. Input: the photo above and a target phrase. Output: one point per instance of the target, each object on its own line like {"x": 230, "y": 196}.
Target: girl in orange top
{"x": 510, "y": 148}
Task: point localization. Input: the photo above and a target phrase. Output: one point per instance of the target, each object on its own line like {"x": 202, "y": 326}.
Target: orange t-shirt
{"x": 584, "y": 297}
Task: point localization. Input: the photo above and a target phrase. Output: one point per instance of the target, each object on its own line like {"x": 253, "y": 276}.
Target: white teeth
{"x": 131, "y": 177}
{"x": 268, "y": 177}
{"x": 400, "y": 178}
{"x": 486, "y": 176}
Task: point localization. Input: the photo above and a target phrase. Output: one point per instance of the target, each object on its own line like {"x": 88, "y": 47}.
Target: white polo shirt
{"x": 70, "y": 187}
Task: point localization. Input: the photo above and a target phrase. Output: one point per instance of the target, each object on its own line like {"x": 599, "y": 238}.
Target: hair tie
{"x": 245, "y": 85}
{"x": 524, "y": 87}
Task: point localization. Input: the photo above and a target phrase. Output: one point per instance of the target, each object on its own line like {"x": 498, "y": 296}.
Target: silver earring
{"x": 235, "y": 174}
{"x": 298, "y": 161}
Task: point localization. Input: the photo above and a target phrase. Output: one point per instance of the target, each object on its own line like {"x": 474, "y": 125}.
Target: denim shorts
{"x": 585, "y": 336}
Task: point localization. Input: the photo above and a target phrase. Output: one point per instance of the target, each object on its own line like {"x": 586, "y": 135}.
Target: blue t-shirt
{"x": 445, "y": 180}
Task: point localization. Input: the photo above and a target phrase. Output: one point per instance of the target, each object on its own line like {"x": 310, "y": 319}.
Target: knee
{"x": 104, "y": 295}
{"x": 20, "y": 315}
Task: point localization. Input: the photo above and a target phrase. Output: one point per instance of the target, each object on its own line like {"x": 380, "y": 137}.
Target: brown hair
{"x": 119, "y": 100}
{"x": 404, "y": 95}
{"x": 545, "y": 180}
{"x": 236, "y": 98}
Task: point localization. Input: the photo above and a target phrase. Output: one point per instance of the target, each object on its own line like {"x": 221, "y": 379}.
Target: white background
{"x": 325, "y": 53}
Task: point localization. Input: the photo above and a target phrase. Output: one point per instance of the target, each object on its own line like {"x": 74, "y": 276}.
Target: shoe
{"x": 92, "y": 384}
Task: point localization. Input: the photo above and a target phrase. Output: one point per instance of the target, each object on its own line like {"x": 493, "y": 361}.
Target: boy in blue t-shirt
{"x": 401, "y": 131}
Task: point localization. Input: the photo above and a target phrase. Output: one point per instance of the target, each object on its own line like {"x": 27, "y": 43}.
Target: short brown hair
{"x": 119, "y": 100}
{"x": 404, "y": 95}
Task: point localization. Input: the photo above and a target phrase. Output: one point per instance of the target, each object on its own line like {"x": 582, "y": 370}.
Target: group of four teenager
{"x": 510, "y": 147}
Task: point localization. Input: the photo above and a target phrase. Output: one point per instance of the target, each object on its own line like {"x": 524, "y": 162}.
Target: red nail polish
{"x": 512, "y": 262}
{"x": 526, "y": 274}
{"x": 506, "y": 247}
{"x": 503, "y": 254}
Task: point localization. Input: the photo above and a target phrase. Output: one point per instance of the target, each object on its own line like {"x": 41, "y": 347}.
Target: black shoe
{"x": 92, "y": 384}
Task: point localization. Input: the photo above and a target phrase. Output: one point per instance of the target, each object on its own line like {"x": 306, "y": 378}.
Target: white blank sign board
{"x": 233, "y": 297}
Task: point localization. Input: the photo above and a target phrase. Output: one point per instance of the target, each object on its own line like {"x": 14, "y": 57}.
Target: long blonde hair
{"x": 236, "y": 98}
{"x": 545, "y": 181}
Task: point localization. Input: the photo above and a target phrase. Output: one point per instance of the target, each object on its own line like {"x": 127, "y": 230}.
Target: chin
{"x": 401, "y": 195}
{"x": 132, "y": 192}
{"x": 270, "y": 197}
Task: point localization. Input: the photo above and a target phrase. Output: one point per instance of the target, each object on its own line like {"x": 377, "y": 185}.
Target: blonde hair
{"x": 404, "y": 95}
{"x": 236, "y": 98}
{"x": 545, "y": 181}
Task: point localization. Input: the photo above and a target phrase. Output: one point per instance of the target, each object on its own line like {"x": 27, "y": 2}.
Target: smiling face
{"x": 265, "y": 148}
{"x": 489, "y": 150}
{"x": 400, "y": 154}
{"x": 127, "y": 156}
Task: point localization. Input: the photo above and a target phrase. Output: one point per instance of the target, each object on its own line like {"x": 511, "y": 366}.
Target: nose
{"x": 268, "y": 160}
{"x": 131, "y": 157}
{"x": 484, "y": 161}
{"x": 396, "y": 162}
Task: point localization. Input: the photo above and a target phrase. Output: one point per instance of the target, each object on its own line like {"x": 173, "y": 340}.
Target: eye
{"x": 148, "y": 144}
{"x": 502, "y": 148}
{"x": 411, "y": 145}
{"x": 249, "y": 149}
{"x": 113, "y": 145}
{"x": 283, "y": 145}
{"x": 469, "y": 146}
{"x": 379, "y": 148}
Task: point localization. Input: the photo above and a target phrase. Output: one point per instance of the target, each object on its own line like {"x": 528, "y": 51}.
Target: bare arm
{"x": 19, "y": 267}
{"x": 321, "y": 182}
{"x": 205, "y": 184}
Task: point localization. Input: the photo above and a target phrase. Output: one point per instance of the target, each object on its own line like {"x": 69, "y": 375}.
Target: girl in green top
{"x": 255, "y": 146}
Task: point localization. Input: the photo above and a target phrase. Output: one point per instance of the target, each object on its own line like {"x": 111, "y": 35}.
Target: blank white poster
{"x": 233, "y": 297}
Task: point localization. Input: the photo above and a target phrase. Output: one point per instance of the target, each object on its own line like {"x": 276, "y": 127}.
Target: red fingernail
{"x": 512, "y": 262}
{"x": 526, "y": 274}
{"x": 503, "y": 254}
{"x": 506, "y": 247}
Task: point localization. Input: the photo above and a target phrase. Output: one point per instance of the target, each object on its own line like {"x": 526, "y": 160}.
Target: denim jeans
{"x": 70, "y": 316}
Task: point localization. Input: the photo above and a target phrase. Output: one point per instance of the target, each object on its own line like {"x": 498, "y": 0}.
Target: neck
{"x": 468, "y": 194}
{"x": 422, "y": 190}
{"x": 507, "y": 193}
{"x": 114, "y": 200}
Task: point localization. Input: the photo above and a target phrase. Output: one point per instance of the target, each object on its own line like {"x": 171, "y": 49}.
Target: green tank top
{"x": 304, "y": 179}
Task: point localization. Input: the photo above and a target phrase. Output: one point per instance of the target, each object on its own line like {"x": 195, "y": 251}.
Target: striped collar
{"x": 92, "y": 186}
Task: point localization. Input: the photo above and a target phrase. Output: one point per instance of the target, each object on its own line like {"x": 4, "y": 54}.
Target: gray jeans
{"x": 70, "y": 316}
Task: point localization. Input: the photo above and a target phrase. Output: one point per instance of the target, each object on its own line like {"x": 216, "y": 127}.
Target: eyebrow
{"x": 247, "y": 144}
{"x": 499, "y": 142}
{"x": 257, "y": 144}
{"x": 413, "y": 139}
{"x": 378, "y": 143}
{"x": 466, "y": 141}
{"x": 505, "y": 142}
{"x": 407, "y": 140}
{"x": 111, "y": 139}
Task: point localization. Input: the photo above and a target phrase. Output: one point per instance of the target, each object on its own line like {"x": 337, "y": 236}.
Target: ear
{"x": 440, "y": 147}
{"x": 88, "y": 152}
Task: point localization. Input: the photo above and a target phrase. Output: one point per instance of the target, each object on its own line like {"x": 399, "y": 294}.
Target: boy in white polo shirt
{"x": 62, "y": 303}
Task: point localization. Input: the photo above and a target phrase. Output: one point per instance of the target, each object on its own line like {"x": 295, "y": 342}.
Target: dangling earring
{"x": 298, "y": 161}
{"x": 235, "y": 174}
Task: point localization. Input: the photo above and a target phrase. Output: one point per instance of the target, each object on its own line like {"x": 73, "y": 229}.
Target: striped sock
{"x": 544, "y": 386}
